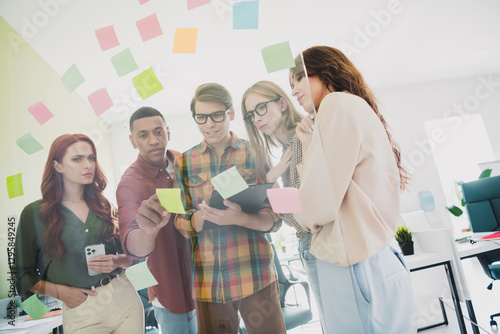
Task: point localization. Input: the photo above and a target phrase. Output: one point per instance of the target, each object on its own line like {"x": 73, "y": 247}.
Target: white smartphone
{"x": 93, "y": 251}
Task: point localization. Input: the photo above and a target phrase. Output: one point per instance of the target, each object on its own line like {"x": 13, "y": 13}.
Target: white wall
{"x": 408, "y": 107}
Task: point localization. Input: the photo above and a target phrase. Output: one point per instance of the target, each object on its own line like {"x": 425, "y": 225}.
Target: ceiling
{"x": 395, "y": 42}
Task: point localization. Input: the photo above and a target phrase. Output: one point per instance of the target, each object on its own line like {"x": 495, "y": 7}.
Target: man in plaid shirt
{"x": 233, "y": 263}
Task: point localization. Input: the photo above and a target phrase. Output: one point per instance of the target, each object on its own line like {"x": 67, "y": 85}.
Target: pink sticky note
{"x": 196, "y": 3}
{"x": 284, "y": 200}
{"x": 107, "y": 38}
{"x": 41, "y": 113}
{"x": 100, "y": 101}
{"x": 149, "y": 27}
{"x": 142, "y": 2}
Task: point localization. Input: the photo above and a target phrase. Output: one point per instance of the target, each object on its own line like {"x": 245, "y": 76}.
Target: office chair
{"x": 482, "y": 201}
{"x": 293, "y": 315}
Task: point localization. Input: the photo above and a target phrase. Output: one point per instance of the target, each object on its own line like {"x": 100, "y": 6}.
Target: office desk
{"x": 25, "y": 326}
{"x": 423, "y": 261}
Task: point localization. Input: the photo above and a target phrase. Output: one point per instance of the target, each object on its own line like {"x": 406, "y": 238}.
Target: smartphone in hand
{"x": 93, "y": 251}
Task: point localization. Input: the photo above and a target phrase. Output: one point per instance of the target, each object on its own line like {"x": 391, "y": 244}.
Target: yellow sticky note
{"x": 15, "y": 185}
{"x": 147, "y": 83}
{"x": 140, "y": 276}
{"x": 185, "y": 40}
{"x": 170, "y": 199}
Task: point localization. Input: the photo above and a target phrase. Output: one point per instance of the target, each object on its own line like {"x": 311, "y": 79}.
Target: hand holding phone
{"x": 93, "y": 251}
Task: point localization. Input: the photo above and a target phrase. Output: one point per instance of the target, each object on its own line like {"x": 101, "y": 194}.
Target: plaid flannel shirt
{"x": 230, "y": 262}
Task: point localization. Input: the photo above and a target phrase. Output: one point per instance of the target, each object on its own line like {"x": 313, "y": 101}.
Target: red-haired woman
{"x": 52, "y": 238}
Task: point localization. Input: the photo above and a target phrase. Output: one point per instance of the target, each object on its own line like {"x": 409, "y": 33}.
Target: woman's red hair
{"x": 52, "y": 192}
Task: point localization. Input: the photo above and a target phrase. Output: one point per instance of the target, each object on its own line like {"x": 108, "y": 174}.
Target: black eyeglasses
{"x": 260, "y": 109}
{"x": 217, "y": 117}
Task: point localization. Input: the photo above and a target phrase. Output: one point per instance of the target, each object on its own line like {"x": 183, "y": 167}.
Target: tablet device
{"x": 251, "y": 200}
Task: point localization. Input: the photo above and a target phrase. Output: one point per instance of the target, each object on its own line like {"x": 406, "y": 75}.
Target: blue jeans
{"x": 172, "y": 323}
{"x": 370, "y": 297}
{"x": 310, "y": 265}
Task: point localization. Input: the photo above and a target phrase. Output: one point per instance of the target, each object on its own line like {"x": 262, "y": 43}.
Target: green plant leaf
{"x": 462, "y": 202}
{"x": 455, "y": 210}
{"x": 485, "y": 173}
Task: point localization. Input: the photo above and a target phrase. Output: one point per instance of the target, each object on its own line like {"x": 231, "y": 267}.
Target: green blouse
{"x": 33, "y": 265}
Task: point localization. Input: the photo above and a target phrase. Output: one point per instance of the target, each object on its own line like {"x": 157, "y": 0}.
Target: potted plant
{"x": 404, "y": 238}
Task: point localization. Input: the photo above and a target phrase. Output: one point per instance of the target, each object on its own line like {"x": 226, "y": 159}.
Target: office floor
{"x": 485, "y": 303}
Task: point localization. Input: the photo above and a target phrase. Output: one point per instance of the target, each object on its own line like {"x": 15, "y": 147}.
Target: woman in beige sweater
{"x": 350, "y": 183}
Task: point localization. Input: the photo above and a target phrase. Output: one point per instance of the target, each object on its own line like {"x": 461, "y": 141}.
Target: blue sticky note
{"x": 246, "y": 15}
{"x": 427, "y": 201}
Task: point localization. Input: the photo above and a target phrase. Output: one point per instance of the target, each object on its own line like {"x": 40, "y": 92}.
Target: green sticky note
{"x": 124, "y": 62}
{"x": 170, "y": 199}
{"x": 229, "y": 183}
{"x": 147, "y": 83}
{"x": 29, "y": 144}
{"x": 278, "y": 57}
{"x": 72, "y": 78}
{"x": 34, "y": 307}
{"x": 15, "y": 185}
{"x": 140, "y": 276}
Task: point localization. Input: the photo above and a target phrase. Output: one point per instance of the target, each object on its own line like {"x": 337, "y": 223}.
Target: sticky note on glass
{"x": 140, "y": 276}
{"x": 278, "y": 57}
{"x": 41, "y": 113}
{"x": 284, "y": 200}
{"x": 149, "y": 27}
{"x": 100, "y": 101}
{"x": 107, "y": 38}
{"x": 147, "y": 83}
{"x": 29, "y": 144}
{"x": 124, "y": 62}
{"x": 142, "y": 2}
{"x": 246, "y": 15}
{"x": 72, "y": 79}
{"x": 34, "y": 307}
{"x": 15, "y": 185}
{"x": 185, "y": 40}
{"x": 229, "y": 183}
{"x": 196, "y": 3}
{"x": 170, "y": 199}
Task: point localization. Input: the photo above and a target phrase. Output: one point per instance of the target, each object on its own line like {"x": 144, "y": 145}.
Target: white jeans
{"x": 116, "y": 309}
{"x": 372, "y": 297}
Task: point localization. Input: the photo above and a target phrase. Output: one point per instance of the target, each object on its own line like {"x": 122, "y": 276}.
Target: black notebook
{"x": 251, "y": 200}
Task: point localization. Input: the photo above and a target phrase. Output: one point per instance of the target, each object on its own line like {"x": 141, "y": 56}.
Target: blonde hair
{"x": 262, "y": 143}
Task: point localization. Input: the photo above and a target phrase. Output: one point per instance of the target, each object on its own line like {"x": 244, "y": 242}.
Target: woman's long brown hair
{"x": 339, "y": 74}
{"x": 52, "y": 191}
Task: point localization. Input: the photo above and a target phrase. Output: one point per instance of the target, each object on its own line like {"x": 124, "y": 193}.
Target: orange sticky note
{"x": 185, "y": 40}
{"x": 100, "y": 101}
{"x": 284, "y": 200}
{"x": 41, "y": 113}
{"x": 107, "y": 38}
{"x": 149, "y": 27}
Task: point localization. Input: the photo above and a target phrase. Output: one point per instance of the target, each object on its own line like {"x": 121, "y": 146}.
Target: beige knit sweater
{"x": 349, "y": 183}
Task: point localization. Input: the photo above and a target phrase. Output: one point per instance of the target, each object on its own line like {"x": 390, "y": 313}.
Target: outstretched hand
{"x": 152, "y": 216}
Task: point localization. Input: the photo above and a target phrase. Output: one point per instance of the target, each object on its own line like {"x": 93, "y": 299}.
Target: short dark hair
{"x": 142, "y": 113}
